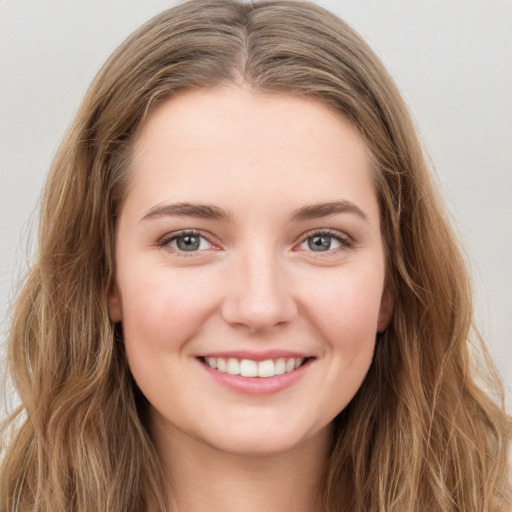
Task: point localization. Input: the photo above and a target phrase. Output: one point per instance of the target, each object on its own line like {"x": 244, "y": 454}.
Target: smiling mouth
{"x": 251, "y": 368}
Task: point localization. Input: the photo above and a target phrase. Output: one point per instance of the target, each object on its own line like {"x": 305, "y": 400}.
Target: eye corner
{"x": 324, "y": 242}
{"x": 188, "y": 242}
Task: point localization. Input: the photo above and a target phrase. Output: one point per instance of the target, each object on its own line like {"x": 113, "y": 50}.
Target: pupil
{"x": 188, "y": 243}
{"x": 319, "y": 243}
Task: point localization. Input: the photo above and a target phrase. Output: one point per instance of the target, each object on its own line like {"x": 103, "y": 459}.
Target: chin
{"x": 266, "y": 443}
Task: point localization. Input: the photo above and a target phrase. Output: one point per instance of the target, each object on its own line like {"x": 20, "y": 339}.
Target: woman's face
{"x": 249, "y": 243}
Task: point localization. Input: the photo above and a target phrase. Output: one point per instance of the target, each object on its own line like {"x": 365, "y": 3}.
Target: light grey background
{"x": 451, "y": 59}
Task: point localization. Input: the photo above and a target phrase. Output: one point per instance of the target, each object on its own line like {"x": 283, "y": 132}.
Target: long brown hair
{"x": 419, "y": 435}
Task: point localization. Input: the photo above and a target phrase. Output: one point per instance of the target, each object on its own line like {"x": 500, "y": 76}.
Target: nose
{"x": 260, "y": 296}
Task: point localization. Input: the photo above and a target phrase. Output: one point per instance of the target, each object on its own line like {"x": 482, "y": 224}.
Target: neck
{"x": 205, "y": 479}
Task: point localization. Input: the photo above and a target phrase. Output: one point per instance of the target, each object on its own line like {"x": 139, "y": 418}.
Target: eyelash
{"x": 345, "y": 241}
{"x": 170, "y": 237}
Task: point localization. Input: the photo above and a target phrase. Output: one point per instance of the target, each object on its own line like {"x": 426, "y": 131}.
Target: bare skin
{"x": 249, "y": 239}
{"x": 205, "y": 480}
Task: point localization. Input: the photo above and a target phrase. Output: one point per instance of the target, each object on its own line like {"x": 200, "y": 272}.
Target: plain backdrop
{"x": 452, "y": 60}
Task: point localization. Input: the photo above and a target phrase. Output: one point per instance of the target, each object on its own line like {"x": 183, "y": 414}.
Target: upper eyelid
{"x": 173, "y": 235}
{"x": 334, "y": 233}
{"x": 345, "y": 240}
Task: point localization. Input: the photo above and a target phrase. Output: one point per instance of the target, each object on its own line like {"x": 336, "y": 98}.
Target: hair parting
{"x": 420, "y": 433}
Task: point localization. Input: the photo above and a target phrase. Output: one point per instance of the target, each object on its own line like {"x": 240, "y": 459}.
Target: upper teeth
{"x": 251, "y": 368}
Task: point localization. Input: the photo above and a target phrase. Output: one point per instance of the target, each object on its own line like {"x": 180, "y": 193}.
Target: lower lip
{"x": 257, "y": 385}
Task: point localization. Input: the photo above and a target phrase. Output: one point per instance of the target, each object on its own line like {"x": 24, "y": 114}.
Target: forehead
{"x": 234, "y": 143}
{"x": 236, "y": 114}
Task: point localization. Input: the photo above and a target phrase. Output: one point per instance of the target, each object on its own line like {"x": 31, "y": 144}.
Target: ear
{"x": 387, "y": 303}
{"x": 115, "y": 309}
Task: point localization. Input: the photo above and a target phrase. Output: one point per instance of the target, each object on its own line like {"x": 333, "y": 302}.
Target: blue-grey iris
{"x": 188, "y": 243}
{"x": 319, "y": 243}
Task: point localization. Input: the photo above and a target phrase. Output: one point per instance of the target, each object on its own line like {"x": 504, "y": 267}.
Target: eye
{"x": 186, "y": 241}
{"x": 325, "y": 241}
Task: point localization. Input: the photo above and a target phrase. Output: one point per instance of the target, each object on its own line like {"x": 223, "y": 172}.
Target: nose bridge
{"x": 259, "y": 296}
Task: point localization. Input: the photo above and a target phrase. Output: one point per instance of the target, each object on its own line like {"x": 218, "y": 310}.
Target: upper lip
{"x": 256, "y": 355}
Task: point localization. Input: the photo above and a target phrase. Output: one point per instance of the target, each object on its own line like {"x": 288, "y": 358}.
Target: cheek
{"x": 163, "y": 309}
{"x": 345, "y": 306}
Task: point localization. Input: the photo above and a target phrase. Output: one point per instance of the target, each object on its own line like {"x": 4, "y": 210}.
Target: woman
{"x": 247, "y": 293}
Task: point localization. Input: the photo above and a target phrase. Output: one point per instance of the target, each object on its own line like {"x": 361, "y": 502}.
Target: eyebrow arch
{"x": 202, "y": 211}
{"x": 317, "y": 211}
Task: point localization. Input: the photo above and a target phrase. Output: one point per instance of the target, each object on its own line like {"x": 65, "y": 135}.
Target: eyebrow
{"x": 204, "y": 211}
{"x": 317, "y": 211}
{"x": 201, "y": 211}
